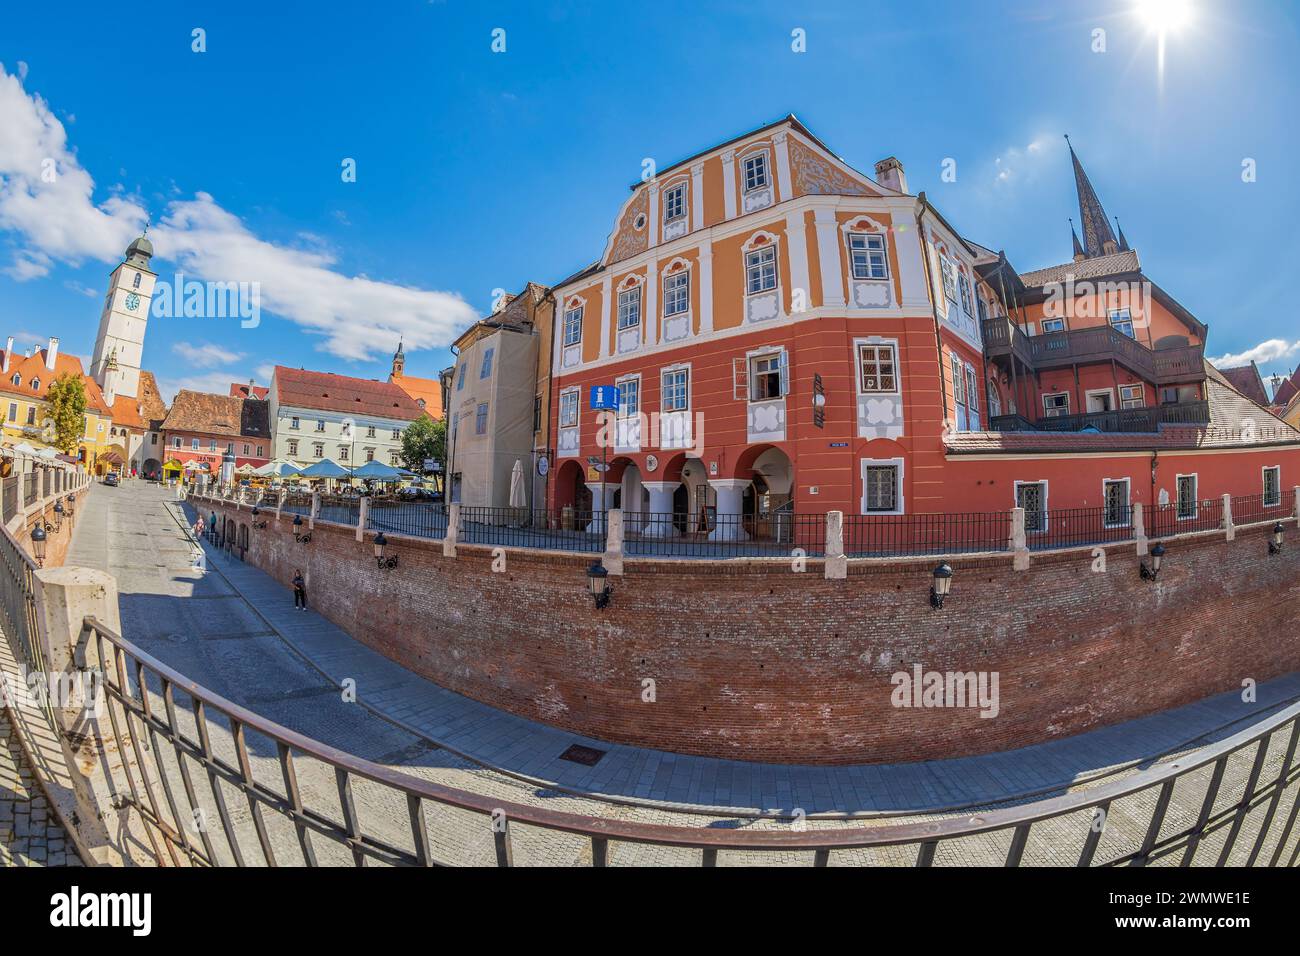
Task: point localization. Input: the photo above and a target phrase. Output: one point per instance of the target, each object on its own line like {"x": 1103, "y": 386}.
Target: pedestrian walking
{"x": 299, "y": 591}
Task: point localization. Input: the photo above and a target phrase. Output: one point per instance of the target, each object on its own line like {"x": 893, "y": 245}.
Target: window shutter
{"x": 784, "y": 363}
{"x": 740, "y": 379}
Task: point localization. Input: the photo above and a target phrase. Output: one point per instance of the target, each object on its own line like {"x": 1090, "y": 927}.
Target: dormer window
{"x": 36, "y": 384}
{"x": 675, "y": 203}
{"x": 755, "y": 168}
{"x": 17, "y": 379}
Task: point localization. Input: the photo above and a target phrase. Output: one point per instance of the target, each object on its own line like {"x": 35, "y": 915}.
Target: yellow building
{"x": 24, "y": 385}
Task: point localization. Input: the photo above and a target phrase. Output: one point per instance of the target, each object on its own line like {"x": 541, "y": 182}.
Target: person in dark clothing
{"x": 212, "y": 528}
{"x": 299, "y": 591}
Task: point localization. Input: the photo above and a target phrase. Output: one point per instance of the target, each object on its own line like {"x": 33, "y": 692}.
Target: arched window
{"x": 135, "y": 283}
{"x": 36, "y": 384}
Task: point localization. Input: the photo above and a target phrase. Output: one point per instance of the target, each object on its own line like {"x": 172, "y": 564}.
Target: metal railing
{"x": 563, "y": 530}
{"x": 778, "y": 533}
{"x": 929, "y": 534}
{"x": 1233, "y": 802}
{"x": 31, "y": 488}
{"x": 1126, "y": 420}
{"x": 422, "y": 519}
{"x": 343, "y": 509}
{"x": 1075, "y": 527}
{"x": 9, "y": 496}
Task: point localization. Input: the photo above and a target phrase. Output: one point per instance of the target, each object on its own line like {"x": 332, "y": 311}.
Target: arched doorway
{"x": 767, "y": 503}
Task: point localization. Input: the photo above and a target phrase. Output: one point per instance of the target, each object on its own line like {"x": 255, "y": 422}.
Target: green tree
{"x": 424, "y": 438}
{"x": 67, "y": 400}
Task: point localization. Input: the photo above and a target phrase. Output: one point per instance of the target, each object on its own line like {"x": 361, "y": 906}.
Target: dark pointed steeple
{"x": 1098, "y": 238}
{"x": 1123, "y": 243}
{"x": 1078, "y": 249}
{"x": 399, "y": 361}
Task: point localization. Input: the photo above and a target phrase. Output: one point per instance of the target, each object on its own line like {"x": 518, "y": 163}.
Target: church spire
{"x": 1123, "y": 243}
{"x": 1098, "y": 237}
{"x": 1079, "y": 254}
{"x": 399, "y": 361}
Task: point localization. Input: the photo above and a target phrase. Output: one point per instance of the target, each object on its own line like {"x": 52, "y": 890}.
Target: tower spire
{"x": 1078, "y": 249}
{"x": 1123, "y": 243}
{"x": 1098, "y": 237}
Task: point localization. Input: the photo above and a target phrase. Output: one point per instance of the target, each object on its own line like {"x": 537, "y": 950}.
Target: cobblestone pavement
{"x": 233, "y": 629}
{"x": 29, "y": 835}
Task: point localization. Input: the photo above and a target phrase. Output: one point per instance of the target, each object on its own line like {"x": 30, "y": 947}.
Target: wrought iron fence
{"x": 297, "y": 502}
{"x": 18, "y": 610}
{"x": 1075, "y": 527}
{"x": 926, "y": 534}
{"x": 1164, "y": 521}
{"x": 563, "y": 530}
{"x": 423, "y": 519}
{"x": 31, "y": 488}
{"x": 1233, "y": 802}
{"x": 9, "y": 496}
{"x": 342, "y": 509}
{"x": 779, "y": 533}
{"x": 1249, "y": 509}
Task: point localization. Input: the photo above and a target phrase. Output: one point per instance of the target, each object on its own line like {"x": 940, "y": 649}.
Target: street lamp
{"x": 298, "y": 534}
{"x": 58, "y": 516}
{"x": 72, "y": 501}
{"x": 1157, "y": 555}
{"x": 259, "y": 525}
{"x": 1275, "y": 546}
{"x": 942, "y": 585}
{"x": 381, "y": 544}
{"x": 598, "y": 582}
{"x": 38, "y": 543}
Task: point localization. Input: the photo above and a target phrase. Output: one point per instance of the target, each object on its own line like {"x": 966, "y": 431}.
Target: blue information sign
{"x": 604, "y": 398}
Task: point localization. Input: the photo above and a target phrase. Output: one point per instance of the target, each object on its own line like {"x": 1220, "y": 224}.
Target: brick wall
{"x": 754, "y": 662}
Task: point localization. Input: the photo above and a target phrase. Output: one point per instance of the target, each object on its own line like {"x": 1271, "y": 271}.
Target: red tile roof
{"x": 328, "y": 392}
{"x": 1247, "y": 380}
{"x": 1288, "y": 390}
{"x": 34, "y": 369}
{"x": 223, "y": 415}
{"x": 239, "y": 390}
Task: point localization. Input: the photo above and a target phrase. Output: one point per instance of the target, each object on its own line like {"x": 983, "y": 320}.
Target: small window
{"x": 486, "y": 370}
{"x": 293, "y": 422}
{"x": 370, "y": 454}
{"x": 13, "y": 411}
{"x": 394, "y": 458}
{"x": 320, "y": 424}
{"x": 194, "y": 444}
{"x": 176, "y": 442}
{"x": 397, "y": 434}
{"x": 480, "y": 420}
{"x": 676, "y": 390}
{"x": 949, "y": 274}
{"x": 293, "y": 446}
{"x": 537, "y": 413}
{"x": 135, "y": 283}
{"x": 1272, "y": 486}
{"x": 318, "y": 449}
{"x": 569, "y": 408}
{"x": 1056, "y": 406}
{"x": 153, "y": 439}
{"x": 573, "y": 326}
{"x": 1132, "y": 396}
{"x": 973, "y": 397}
{"x": 370, "y": 431}
{"x": 767, "y": 377}
{"x": 877, "y": 366}
{"x": 967, "y": 298}
{"x": 995, "y": 401}
{"x": 1116, "y": 496}
{"x": 1032, "y": 497}
{"x": 247, "y": 449}
{"x": 867, "y": 253}
{"x": 460, "y": 377}
{"x": 1121, "y": 320}
{"x": 1053, "y": 325}
{"x": 343, "y": 452}
{"x": 675, "y": 203}
{"x": 629, "y": 308}
{"x": 36, "y": 384}
{"x": 880, "y": 488}
{"x": 677, "y": 293}
{"x": 212, "y": 444}
{"x": 629, "y": 398}
{"x": 1186, "y": 496}
{"x": 17, "y": 379}
{"x": 755, "y": 168}
{"x": 760, "y": 270}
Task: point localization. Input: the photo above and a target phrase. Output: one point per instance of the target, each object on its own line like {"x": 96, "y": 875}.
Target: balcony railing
{"x": 1129, "y": 420}
{"x": 1101, "y": 343}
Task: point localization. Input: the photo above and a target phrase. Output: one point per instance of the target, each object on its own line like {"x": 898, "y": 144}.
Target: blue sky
{"x": 479, "y": 170}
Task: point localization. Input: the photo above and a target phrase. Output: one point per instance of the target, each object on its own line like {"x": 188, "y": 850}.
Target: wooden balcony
{"x": 1131, "y": 420}
{"x": 1003, "y": 340}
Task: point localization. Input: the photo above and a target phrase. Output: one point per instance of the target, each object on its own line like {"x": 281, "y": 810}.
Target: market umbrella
{"x": 279, "y": 468}
{"x": 325, "y": 468}
{"x": 517, "y": 499}
{"x": 377, "y": 471}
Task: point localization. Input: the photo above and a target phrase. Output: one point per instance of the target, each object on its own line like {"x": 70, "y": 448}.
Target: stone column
{"x": 1297, "y": 503}
{"x": 315, "y": 510}
{"x": 613, "y": 559}
{"x": 1140, "y": 529}
{"x": 453, "y": 530}
{"x": 1229, "y": 528}
{"x": 659, "y": 523}
{"x": 837, "y": 565}
{"x": 730, "y": 493}
{"x": 1019, "y": 547}
{"x": 363, "y": 514}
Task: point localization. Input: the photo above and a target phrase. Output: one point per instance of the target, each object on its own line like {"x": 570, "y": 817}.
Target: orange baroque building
{"x": 787, "y": 334}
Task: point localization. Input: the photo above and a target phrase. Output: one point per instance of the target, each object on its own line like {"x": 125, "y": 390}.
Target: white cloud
{"x": 1272, "y": 350}
{"x": 356, "y": 317}
{"x": 205, "y": 355}
{"x": 264, "y": 372}
{"x": 1022, "y": 163}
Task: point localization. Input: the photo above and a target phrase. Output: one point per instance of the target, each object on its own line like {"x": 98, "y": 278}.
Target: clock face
{"x": 132, "y": 301}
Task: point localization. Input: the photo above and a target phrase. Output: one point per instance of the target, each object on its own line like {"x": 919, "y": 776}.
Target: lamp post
{"x": 1157, "y": 556}
{"x": 58, "y": 516}
{"x": 598, "y": 582}
{"x": 381, "y": 545}
{"x": 260, "y": 525}
{"x": 298, "y": 534}
{"x": 72, "y": 501}
{"x": 1275, "y": 545}
{"x": 941, "y": 585}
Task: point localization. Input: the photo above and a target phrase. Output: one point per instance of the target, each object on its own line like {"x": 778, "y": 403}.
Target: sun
{"x": 1165, "y": 16}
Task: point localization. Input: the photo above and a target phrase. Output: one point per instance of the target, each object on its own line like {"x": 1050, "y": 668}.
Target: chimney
{"x": 889, "y": 173}
{"x": 9, "y": 350}
{"x": 51, "y": 353}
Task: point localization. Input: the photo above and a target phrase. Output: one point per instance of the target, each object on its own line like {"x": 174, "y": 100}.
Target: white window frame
{"x": 676, "y": 190}
{"x": 1110, "y": 392}
{"x": 665, "y": 389}
{"x": 624, "y": 315}
{"x": 623, "y": 413}
{"x": 1110, "y": 319}
{"x": 899, "y": 465}
{"x": 576, "y": 393}
{"x": 1062, "y": 413}
{"x": 768, "y": 249}
{"x": 481, "y": 418}
{"x": 972, "y": 392}
{"x": 573, "y": 324}
{"x": 485, "y": 370}
{"x": 683, "y": 294}
{"x": 964, "y": 290}
{"x": 1046, "y": 320}
{"x": 1264, "y": 486}
{"x": 948, "y": 278}
{"x": 1141, "y": 399}
{"x": 868, "y": 253}
{"x": 1196, "y": 497}
{"x": 892, "y": 347}
{"x": 1128, "y": 502}
{"x": 994, "y": 399}
{"x": 1015, "y": 503}
{"x": 782, "y": 371}
{"x": 760, "y": 161}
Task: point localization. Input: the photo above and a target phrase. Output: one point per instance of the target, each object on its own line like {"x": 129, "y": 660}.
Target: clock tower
{"x": 119, "y": 346}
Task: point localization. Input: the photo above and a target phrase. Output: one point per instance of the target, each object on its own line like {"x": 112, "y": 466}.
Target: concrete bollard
{"x": 613, "y": 558}
{"x": 363, "y": 515}
{"x": 1229, "y": 528}
{"x": 1140, "y": 529}
{"x": 837, "y": 565}
{"x": 315, "y": 510}
{"x": 1019, "y": 547}
{"x": 453, "y": 529}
